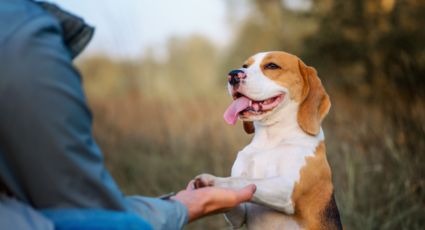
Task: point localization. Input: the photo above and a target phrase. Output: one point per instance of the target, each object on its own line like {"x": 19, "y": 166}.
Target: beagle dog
{"x": 283, "y": 101}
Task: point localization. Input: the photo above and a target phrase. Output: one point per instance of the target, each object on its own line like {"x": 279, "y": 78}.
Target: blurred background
{"x": 155, "y": 78}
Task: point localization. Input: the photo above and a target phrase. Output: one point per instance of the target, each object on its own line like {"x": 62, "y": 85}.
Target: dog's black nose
{"x": 235, "y": 76}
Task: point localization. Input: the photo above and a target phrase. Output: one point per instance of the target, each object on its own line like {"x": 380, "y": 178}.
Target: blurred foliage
{"x": 382, "y": 39}
{"x": 159, "y": 120}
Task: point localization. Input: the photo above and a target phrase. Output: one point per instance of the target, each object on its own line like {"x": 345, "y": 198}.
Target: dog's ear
{"x": 315, "y": 102}
{"x": 248, "y": 126}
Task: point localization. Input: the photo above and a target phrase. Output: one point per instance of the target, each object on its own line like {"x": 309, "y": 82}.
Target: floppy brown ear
{"x": 248, "y": 126}
{"x": 315, "y": 103}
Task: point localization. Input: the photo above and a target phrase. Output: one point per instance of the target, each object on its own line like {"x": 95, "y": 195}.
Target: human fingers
{"x": 212, "y": 200}
{"x": 222, "y": 200}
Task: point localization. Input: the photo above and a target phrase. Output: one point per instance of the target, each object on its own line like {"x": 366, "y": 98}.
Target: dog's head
{"x": 267, "y": 82}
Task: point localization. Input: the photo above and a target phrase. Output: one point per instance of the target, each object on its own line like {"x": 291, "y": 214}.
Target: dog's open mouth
{"x": 243, "y": 105}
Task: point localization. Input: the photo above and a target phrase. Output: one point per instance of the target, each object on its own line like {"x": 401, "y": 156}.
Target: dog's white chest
{"x": 283, "y": 163}
{"x": 286, "y": 161}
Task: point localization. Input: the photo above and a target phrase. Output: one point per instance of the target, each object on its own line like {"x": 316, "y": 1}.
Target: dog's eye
{"x": 271, "y": 65}
{"x": 245, "y": 66}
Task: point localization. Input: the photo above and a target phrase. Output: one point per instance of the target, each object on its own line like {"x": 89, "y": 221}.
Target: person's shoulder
{"x": 31, "y": 39}
{"x": 17, "y": 14}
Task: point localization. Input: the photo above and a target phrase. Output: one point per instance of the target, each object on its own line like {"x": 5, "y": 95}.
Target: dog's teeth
{"x": 250, "y": 103}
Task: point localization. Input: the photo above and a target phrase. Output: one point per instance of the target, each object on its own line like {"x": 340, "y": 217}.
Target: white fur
{"x": 257, "y": 86}
{"x": 272, "y": 161}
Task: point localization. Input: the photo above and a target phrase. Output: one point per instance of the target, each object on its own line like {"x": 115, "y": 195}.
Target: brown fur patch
{"x": 316, "y": 103}
{"x": 248, "y": 126}
{"x": 288, "y": 75}
{"x": 313, "y": 193}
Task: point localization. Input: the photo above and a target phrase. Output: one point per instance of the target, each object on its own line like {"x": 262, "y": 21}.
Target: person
{"x": 51, "y": 170}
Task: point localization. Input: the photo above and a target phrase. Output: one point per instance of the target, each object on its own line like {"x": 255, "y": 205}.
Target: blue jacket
{"x": 48, "y": 157}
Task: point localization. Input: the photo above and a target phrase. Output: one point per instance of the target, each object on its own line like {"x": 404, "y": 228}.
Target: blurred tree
{"x": 105, "y": 77}
{"x": 385, "y": 38}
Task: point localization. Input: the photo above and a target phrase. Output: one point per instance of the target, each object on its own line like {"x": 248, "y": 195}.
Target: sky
{"x": 126, "y": 28}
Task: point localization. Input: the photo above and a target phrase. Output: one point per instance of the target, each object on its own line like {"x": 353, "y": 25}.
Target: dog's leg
{"x": 236, "y": 216}
{"x": 272, "y": 192}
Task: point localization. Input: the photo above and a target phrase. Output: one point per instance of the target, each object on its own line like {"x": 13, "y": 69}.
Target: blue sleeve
{"x": 162, "y": 214}
{"x": 48, "y": 157}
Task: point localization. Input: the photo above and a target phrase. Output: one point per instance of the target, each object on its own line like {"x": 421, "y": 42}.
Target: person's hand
{"x": 212, "y": 200}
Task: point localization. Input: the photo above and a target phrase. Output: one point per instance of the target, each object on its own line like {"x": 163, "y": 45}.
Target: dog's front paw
{"x": 204, "y": 180}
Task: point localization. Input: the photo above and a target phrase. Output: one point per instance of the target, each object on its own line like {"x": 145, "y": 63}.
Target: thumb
{"x": 246, "y": 193}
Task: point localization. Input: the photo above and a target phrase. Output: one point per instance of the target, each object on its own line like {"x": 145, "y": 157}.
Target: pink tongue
{"x": 231, "y": 114}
